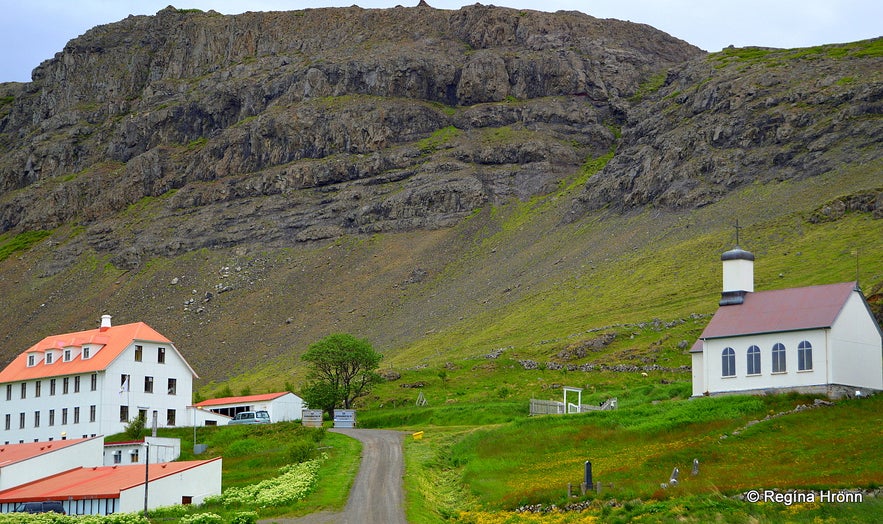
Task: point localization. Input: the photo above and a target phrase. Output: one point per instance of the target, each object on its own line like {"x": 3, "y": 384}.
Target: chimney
{"x": 738, "y": 276}
{"x": 105, "y": 323}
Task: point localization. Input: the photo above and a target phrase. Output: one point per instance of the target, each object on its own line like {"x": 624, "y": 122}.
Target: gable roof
{"x": 241, "y": 400}
{"x": 111, "y": 340}
{"x": 780, "y": 310}
{"x": 94, "y": 482}
{"x": 12, "y": 453}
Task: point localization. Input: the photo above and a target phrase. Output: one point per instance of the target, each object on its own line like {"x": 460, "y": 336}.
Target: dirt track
{"x": 377, "y": 496}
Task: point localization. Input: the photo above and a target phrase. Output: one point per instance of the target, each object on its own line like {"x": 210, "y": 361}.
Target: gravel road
{"x": 377, "y": 496}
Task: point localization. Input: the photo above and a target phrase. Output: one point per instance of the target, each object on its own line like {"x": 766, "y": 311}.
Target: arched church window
{"x": 728, "y": 362}
{"x": 779, "y": 365}
{"x": 804, "y": 356}
{"x": 754, "y": 360}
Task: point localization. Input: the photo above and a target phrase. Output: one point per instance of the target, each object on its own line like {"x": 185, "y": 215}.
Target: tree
{"x": 321, "y": 395}
{"x": 344, "y": 366}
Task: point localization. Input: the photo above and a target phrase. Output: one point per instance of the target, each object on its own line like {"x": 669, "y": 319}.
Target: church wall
{"x": 766, "y": 379}
{"x": 857, "y": 358}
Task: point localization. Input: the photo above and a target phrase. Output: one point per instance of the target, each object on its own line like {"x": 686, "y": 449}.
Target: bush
{"x": 245, "y": 517}
{"x": 202, "y": 518}
{"x": 301, "y": 451}
{"x": 294, "y": 483}
{"x": 56, "y": 518}
{"x": 135, "y": 428}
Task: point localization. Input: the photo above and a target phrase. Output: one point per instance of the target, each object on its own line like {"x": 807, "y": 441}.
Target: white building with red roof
{"x": 281, "y": 406}
{"x": 816, "y": 339}
{"x": 121, "y": 489}
{"x": 23, "y": 463}
{"x": 92, "y": 383}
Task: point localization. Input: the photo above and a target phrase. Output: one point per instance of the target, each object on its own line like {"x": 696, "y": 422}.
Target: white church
{"x": 817, "y": 339}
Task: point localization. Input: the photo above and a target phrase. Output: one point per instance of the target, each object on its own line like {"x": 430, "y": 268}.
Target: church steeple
{"x": 738, "y": 280}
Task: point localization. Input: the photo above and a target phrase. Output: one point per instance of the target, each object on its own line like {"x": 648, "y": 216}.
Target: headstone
{"x": 695, "y": 467}
{"x": 673, "y": 481}
{"x": 311, "y": 418}
{"x": 344, "y": 418}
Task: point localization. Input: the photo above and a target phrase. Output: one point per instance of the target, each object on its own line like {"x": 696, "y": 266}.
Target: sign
{"x": 312, "y": 418}
{"x": 344, "y": 418}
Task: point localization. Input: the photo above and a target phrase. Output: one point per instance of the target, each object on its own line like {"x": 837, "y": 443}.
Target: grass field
{"x": 486, "y": 473}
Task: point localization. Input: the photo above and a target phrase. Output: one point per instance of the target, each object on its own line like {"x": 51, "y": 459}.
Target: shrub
{"x": 202, "y": 518}
{"x": 301, "y": 451}
{"x": 294, "y": 483}
{"x": 245, "y": 517}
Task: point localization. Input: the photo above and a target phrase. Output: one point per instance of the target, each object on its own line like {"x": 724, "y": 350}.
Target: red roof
{"x": 112, "y": 342}
{"x": 780, "y": 310}
{"x": 12, "y": 453}
{"x": 240, "y": 400}
{"x": 95, "y": 482}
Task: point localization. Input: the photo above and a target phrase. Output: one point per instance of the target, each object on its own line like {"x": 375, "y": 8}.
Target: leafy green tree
{"x": 345, "y": 365}
{"x": 321, "y": 395}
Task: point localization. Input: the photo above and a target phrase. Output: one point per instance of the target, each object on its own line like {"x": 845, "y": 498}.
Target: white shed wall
{"x": 86, "y": 454}
{"x": 197, "y": 482}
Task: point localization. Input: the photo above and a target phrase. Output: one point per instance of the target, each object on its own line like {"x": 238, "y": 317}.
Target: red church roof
{"x": 781, "y": 310}
{"x": 240, "y": 400}
{"x": 94, "y": 482}
{"x": 112, "y": 341}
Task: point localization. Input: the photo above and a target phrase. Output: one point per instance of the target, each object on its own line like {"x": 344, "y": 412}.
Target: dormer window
{"x": 87, "y": 352}
{"x": 49, "y": 357}
{"x": 68, "y": 355}
{"x": 32, "y": 360}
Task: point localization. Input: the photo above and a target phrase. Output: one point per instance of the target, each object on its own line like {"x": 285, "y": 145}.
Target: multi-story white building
{"x": 94, "y": 382}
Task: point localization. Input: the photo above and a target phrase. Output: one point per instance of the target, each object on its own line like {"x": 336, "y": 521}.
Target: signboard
{"x": 344, "y": 418}
{"x": 312, "y": 418}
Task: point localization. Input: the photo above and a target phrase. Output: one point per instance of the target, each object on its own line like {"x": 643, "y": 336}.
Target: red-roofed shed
{"x": 282, "y": 406}
{"x": 120, "y": 489}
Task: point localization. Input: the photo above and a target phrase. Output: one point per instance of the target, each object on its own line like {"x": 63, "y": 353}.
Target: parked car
{"x": 251, "y": 417}
{"x": 50, "y": 506}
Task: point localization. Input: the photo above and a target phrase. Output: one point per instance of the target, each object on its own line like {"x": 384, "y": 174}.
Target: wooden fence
{"x": 552, "y": 407}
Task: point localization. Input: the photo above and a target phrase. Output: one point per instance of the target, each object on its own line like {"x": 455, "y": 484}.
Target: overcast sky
{"x": 34, "y": 30}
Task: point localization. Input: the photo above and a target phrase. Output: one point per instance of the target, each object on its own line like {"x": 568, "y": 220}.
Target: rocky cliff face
{"x": 744, "y": 116}
{"x": 234, "y": 170}
{"x": 303, "y": 125}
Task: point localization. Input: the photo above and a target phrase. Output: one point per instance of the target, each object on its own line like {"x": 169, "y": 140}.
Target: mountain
{"x": 248, "y": 184}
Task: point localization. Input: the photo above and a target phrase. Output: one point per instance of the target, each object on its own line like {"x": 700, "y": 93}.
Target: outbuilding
{"x": 23, "y": 463}
{"x": 282, "y": 406}
{"x": 121, "y": 489}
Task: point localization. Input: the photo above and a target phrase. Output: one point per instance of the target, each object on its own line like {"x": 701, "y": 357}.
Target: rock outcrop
{"x": 744, "y": 116}
{"x": 284, "y": 127}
